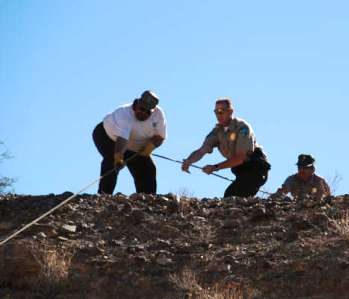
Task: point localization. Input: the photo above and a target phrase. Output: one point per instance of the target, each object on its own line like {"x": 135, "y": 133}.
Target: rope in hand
{"x": 192, "y": 165}
{"x": 198, "y": 167}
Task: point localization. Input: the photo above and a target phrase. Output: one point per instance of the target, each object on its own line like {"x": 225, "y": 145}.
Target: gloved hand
{"x": 118, "y": 160}
{"x": 147, "y": 149}
{"x": 185, "y": 165}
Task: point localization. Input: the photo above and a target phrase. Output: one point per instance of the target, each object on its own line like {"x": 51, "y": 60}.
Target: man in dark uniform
{"x": 305, "y": 183}
{"x": 236, "y": 141}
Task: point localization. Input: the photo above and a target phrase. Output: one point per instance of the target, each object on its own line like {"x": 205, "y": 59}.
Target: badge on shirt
{"x": 232, "y": 136}
{"x": 244, "y": 131}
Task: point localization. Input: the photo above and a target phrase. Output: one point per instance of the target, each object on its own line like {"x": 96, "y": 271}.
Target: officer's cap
{"x": 305, "y": 160}
{"x": 148, "y": 99}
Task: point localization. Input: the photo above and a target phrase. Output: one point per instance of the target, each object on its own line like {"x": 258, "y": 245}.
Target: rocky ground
{"x": 164, "y": 246}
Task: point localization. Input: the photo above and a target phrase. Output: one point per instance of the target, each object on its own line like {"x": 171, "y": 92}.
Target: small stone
{"x": 41, "y": 235}
{"x": 163, "y": 260}
{"x": 69, "y": 228}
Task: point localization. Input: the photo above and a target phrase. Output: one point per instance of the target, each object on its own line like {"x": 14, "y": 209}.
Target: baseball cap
{"x": 148, "y": 99}
{"x": 305, "y": 160}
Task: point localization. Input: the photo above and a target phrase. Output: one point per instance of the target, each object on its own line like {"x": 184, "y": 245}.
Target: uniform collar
{"x": 231, "y": 126}
{"x": 305, "y": 182}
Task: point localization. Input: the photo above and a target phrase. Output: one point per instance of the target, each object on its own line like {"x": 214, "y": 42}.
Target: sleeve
{"x": 326, "y": 190}
{"x": 122, "y": 124}
{"x": 287, "y": 185}
{"x": 211, "y": 141}
{"x": 245, "y": 139}
{"x": 161, "y": 126}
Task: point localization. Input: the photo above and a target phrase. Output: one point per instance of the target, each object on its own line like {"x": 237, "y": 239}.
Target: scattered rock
{"x": 69, "y": 228}
{"x": 163, "y": 246}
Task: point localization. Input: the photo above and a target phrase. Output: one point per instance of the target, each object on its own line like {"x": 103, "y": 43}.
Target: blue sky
{"x": 65, "y": 64}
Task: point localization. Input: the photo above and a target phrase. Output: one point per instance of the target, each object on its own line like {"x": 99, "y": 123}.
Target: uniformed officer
{"x": 236, "y": 141}
{"x": 305, "y": 183}
{"x": 137, "y": 127}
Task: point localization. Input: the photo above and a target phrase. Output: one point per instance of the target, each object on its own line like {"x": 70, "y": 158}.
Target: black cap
{"x": 149, "y": 100}
{"x": 305, "y": 161}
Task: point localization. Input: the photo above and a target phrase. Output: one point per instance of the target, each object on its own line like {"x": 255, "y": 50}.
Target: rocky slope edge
{"x": 165, "y": 246}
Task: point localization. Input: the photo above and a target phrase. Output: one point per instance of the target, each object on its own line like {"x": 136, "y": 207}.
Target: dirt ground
{"x": 166, "y": 246}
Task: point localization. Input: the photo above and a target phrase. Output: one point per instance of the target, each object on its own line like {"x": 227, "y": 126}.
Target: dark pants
{"x": 250, "y": 176}
{"x": 142, "y": 168}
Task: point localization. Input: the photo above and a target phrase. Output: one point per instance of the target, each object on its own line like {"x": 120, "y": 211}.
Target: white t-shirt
{"x": 122, "y": 122}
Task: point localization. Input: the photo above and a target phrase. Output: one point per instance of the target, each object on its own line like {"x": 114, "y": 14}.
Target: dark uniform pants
{"x": 250, "y": 176}
{"x": 142, "y": 168}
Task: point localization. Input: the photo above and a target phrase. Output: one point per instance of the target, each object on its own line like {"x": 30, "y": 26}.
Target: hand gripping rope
{"x": 192, "y": 165}
{"x": 198, "y": 167}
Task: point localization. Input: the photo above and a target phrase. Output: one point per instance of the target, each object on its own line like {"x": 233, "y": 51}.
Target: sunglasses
{"x": 220, "y": 111}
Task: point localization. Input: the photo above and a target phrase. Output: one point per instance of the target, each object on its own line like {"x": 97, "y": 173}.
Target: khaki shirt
{"x": 236, "y": 137}
{"x": 315, "y": 187}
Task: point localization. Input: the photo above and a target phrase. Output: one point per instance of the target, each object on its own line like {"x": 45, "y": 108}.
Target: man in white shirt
{"x": 137, "y": 127}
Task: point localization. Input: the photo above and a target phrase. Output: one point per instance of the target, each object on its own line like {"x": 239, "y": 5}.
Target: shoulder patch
{"x": 244, "y": 131}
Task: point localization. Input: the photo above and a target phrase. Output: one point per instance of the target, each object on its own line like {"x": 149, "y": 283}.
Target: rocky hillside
{"x": 163, "y": 246}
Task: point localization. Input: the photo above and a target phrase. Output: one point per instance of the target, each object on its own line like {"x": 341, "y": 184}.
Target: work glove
{"x": 119, "y": 160}
{"x": 147, "y": 149}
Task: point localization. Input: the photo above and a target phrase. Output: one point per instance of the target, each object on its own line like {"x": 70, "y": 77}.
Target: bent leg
{"x": 248, "y": 182}
{"x": 105, "y": 147}
{"x": 143, "y": 171}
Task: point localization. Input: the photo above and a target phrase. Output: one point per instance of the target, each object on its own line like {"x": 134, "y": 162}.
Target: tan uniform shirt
{"x": 316, "y": 187}
{"x": 236, "y": 137}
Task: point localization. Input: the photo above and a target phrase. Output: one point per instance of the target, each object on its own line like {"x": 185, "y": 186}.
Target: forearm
{"x": 232, "y": 162}
{"x": 196, "y": 156}
{"x": 322, "y": 192}
{"x": 326, "y": 189}
{"x": 281, "y": 191}
{"x": 156, "y": 140}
